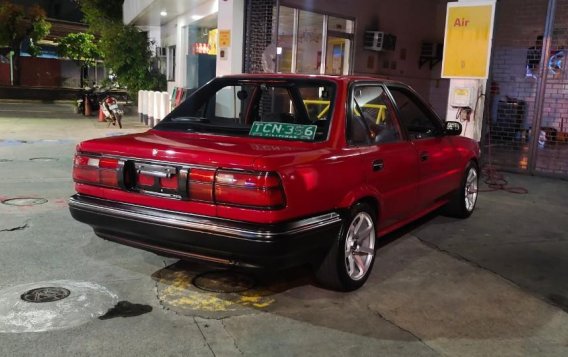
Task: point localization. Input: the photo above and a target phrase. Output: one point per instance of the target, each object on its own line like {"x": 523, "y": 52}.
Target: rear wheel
{"x": 350, "y": 259}
{"x": 119, "y": 120}
{"x": 464, "y": 200}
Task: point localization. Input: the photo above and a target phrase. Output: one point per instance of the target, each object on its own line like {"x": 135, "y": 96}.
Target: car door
{"x": 389, "y": 160}
{"x": 439, "y": 169}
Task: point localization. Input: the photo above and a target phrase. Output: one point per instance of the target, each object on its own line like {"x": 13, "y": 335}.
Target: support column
{"x": 230, "y": 22}
{"x": 472, "y": 123}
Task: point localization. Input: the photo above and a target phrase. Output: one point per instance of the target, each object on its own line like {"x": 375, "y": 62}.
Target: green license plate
{"x": 283, "y": 130}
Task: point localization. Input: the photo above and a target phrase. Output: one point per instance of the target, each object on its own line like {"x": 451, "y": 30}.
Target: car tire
{"x": 463, "y": 202}
{"x": 349, "y": 261}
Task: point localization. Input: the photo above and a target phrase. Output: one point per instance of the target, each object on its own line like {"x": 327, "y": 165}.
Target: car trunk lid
{"x": 198, "y": 168}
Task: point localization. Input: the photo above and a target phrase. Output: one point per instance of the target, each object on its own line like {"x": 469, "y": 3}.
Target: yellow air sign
{"x": 467, "y": 43}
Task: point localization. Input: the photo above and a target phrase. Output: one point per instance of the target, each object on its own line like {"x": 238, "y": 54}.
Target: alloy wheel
{"x": 359, "y": 246}
{"x": 471, "y": 189}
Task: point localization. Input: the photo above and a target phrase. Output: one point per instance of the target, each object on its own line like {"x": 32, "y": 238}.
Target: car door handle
{"x": 378, "y": 165}
{"x": 424, "y": 155}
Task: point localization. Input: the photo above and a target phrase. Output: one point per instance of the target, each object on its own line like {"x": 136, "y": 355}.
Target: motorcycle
{"x": 111, "y": 111}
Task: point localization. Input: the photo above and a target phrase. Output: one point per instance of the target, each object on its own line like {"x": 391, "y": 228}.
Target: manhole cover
{"x": 24, "y": 201}
{"x": 43, "y": 159}
{"x": 223, "y": 281}
{"x": 83, "y": 302}
{"x": 47, "y": 294}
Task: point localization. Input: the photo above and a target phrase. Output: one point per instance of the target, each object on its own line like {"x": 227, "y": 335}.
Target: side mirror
{"x": 453, "y": 128}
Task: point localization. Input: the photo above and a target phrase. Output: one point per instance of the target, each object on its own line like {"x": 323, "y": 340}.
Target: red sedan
{"x": 271, "y": 171}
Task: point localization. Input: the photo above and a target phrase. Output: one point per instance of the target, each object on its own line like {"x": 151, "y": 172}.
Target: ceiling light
{"x": 163, "y": 13}
{"x": 196, "y": 17}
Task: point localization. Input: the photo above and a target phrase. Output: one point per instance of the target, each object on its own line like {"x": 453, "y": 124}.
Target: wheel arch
{"x": 364, "y": 196}
{"x": 371, "y": 202}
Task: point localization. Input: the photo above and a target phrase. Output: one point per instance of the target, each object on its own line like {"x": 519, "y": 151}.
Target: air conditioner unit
{"x": 431, "y": 50}
{"x": 379, "y": 41}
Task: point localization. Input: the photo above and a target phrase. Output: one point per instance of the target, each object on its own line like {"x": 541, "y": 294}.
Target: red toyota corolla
{"x": 271, "y": 171}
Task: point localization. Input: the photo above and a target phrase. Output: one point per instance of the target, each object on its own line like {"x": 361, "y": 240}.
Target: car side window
{"x": 414, "y": 117}
{"x": 371, "y": 120}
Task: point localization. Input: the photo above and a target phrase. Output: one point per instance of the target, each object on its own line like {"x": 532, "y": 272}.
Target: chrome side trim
{"x": 203, "y": 224}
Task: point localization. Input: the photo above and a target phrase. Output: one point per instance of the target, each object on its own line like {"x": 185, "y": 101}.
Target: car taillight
{"x": 95, "y": 170}
{"x": 249, "y": 189}
{"x": 201, "y": 184}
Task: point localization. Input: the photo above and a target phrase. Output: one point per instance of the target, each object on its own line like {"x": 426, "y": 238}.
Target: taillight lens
{"x": 201, "y": 184}
{"x": 249, "y": 189}
{"x": 95, "y": 170}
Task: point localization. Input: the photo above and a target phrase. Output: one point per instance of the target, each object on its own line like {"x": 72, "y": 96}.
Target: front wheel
{"x": 350, "y": 259}
{"x": 464, "y": 200}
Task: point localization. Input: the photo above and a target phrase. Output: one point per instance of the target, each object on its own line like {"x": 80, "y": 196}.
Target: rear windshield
{"x": 278, "y": 109}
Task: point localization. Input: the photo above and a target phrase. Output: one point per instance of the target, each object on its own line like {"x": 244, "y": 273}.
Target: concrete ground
{"x": 492, "y": 285}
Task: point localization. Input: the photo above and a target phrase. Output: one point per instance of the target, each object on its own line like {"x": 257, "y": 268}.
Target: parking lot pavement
{"x": 489, "y": 285}
{"x": 521, "y": 237}
{"x": 20, "y": 120}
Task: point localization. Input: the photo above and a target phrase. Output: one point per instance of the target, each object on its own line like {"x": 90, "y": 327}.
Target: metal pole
{"x": 295, "y": 27}
{"x": 324, "y": 45}
{"x": 541, "y": 86}
{"x": 275, "y": 39}
{"x": 11, "y": 55}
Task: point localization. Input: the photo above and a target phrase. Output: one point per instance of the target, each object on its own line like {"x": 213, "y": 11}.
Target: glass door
{"x": 312, "y": 43}
{"x": 309, "y": 48}
{"x": 337, "y": 58}
{"x": 338, "y": 47}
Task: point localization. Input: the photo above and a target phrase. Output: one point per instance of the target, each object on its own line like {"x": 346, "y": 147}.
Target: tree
{"x": 101, "y": 14}
{"x": 126, "y": 49}
{"x": 81, "y": 48}
{"x": 19, "y": 24}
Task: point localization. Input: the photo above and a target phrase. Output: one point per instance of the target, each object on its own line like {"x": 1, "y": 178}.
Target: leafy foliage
{"x": 80, "y": 47}
{"x": 101, "y": 15}
{"x": 126, "y": 49}
{"x": 18, "y": 24}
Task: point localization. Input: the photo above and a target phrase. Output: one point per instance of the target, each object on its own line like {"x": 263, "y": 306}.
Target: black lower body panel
{"x": 220, "y": 241}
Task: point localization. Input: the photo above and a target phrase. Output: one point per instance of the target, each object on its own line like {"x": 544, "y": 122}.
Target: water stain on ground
{"x": 126, "y": 309}
{"x": 221, "y": 293}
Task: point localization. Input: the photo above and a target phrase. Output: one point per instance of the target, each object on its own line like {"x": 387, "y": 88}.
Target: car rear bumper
{"x": 210, "y": 239}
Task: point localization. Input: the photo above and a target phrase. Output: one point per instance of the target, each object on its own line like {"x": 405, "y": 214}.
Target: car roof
{"x": 284, "y": 76}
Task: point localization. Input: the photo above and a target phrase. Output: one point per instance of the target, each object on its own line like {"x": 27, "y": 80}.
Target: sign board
{"x": 467, "y": 41}
{"x": 224, "y": 38}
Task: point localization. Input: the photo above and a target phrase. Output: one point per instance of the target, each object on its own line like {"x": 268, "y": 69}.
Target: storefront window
{"x": 312, "y": 43}
{"x": 171, "y": 63}
{"x": 310, "y": 33}
{"x": 284, "y": 51}
{"x": 339, "y": 24}
{"x": 201, "y": 54}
